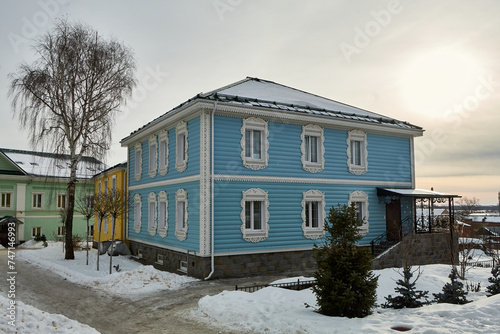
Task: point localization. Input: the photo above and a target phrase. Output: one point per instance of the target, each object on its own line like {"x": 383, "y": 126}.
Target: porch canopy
{"x": 424, "y": 201}
{"x": 9, "y": 219}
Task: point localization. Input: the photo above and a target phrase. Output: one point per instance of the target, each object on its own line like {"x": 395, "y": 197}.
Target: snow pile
{"x": 32, "y": 320}
{"x": 133, "y": 278}
{"x": 276, "y": 310}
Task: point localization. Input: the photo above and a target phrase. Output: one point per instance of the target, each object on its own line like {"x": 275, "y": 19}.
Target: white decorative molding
{"x": 357, "y": 135}
{"x": 163, "y": 183}
{"x": 137, "y": 213}
{"x": 181, "y": 129}
{"x": 257, "y": 124}
{"x": 153, "y": 156}
{"x": 313, "y": 196}
{"x": 205, "y": 184}
{"x": 152, "y": 220}
{"x": 181, "y": 231}
{"x": 258, "y": 195}
{"x": 137, "y": 161}
{"x": 313, "y": 131}
{"x": 360, "y": 196}
{"x": 163, "y": 228}
{"x": 163, "y": 152}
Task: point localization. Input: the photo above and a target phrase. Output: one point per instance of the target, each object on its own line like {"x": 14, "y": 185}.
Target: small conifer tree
{"x": 346, "y": 286}
{"x": 408, "y": 296}
{"x": 494, "y": 288}
{"x": 453, "y": 292}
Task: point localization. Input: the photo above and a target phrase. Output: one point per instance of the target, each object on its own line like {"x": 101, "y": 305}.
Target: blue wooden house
{"x": 239, "y": 180}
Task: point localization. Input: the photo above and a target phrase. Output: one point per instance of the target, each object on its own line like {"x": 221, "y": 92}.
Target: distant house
{"x": 110, "y": 180}
{"x": 239, "y": 180}
{"x": 33, "y": 189}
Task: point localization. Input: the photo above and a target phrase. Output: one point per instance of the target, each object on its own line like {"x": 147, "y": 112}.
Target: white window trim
{"x": 255, "y": 194}
{"x": 106, "y": 220}
{"x": 153, "y": 155}
{"x": 33, "y": 230}
{"x": 163, "y": 137}
{"x": 163, "y": 198}
{"x": 181, "y": 196}
{"x": 181, "y": 129}
{"x": 138, "y": 164}
{"x": 316, "y": 131}
{"x": 65, "y": 201}
{"x": 113, "y": 184}
{"x": 313, "y": 196}
{"x": 60, "y": 228}
{"x": 106, "y": 186}
{"x": 154, "y": 220}
{"x": 360, "y": 196}
{"x": 11, "y": 200}
{"x": 42, "y": 200}
{"x": 254, "y": 123}
{"x": 357, "y": 135}
{"x": 137, "y": 214}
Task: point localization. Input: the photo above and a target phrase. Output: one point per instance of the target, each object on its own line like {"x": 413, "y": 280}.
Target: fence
{"x": 299, "y": 285}
{"x": 482, "y": 264}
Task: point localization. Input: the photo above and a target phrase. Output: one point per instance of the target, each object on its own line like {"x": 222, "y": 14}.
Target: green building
{"x": 33, "y": 189}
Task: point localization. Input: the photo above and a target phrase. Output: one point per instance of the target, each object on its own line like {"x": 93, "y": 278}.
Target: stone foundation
{"x": 420, "y": 249}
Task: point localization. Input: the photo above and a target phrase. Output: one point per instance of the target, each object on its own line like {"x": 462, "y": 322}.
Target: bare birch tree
{"x": 68, "y": 97}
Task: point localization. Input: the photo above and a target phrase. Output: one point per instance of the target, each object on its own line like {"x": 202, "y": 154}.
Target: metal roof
{"x": 420, "y": 193}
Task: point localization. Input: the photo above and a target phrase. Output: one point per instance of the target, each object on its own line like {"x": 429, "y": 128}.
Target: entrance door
{"x": 393, "y": 220}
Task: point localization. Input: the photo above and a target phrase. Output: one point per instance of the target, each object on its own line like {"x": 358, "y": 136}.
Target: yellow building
{"x": 113, "y": 178}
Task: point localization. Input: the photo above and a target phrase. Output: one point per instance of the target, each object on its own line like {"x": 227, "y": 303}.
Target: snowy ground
{"x": 270, "y": 310}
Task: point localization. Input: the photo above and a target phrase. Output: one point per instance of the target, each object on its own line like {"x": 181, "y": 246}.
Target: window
{"x": 99, "y": 189}
{"x": 357, "y": 152}
{"x": 106, "y": 224}
{"x": 90, "y": 231}
{"x": 255, "y": 215}
{"x": 313, "y": 214}
{"x": 163, "y": 153}
{"x": 182, "y": 146}
{"x": 162, "y": 214}
{"x": 113, "y": 185}
{"x": 254, "y": 143}
{"x": 159, "y": 258}
{"x": 152, "y": 213}
{"x": 37, "y": 201}
{"x": 106, "y": 184}
{"x": 153, "y": 154}
{"x": 61, "y": 231}
{"x": 137, "y": 213}
{"x": 6, "y": 200}
{"x": 312, "y": 148}
{"x": 89, "y": 201}
{"x": 138, "y": 161}
{"x": 360, "y": 200}
{"x": 61, "y": 201}
{"x": 36, "y": 232}
{"x": 181, "y": 214}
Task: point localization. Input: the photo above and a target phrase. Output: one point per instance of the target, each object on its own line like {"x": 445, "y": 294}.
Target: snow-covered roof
{"x": 419, "y": 193}
{"x": 52, "y": 165}
{"x": 258, "y": 93}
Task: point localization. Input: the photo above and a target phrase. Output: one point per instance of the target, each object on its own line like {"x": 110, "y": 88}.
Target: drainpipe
{"x": 212, "y": 259}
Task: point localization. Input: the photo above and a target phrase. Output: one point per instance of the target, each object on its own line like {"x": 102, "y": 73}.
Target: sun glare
{"x": 433, "y": 81}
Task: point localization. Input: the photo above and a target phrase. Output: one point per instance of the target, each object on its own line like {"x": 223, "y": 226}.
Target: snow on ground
{"x": 276, "y": 310}
{"x": 133, "y": 279}
{"x": 32, "y": 320}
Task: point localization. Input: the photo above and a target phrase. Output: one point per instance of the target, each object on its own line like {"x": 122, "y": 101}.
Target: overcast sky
{"x": 431, "y": 63}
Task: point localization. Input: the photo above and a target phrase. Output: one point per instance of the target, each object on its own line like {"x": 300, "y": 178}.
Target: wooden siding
{"x": 285, "y": 222}
{"x": 388, "y": 156}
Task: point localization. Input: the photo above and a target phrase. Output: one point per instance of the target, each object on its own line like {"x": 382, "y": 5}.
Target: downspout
{"x": 212, "y": 258}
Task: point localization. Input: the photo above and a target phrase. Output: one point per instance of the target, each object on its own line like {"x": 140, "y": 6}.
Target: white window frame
{"x": 152, "y": 214}
{"x": 138, "y": 161}
{"x": 60, "y": 228}
{"x": 62, "y": 195}
{"x": 163, "y": 160}
{"x": 137, "y": 213}
{"x": 106, "y": 186}
{"x": 106, "y": 220}
{"x": 42, "y": 199}
{"x": 357, "y": 136}
{"x": 312, "y": 130}
{"x": 160, "y": 259}
{"x": 255, "y": 124}
{"x": 181, "y": 158}
{"x": 113, "y": 185}
{"x": 163, "y": 226}
{"x": 255, "y": 195}
{"x": 33, "y": 235}
{"x": 153, "y": 156}
{"x": 181, "y": 216}
{"x": 99, "y": 186}
{"x": 361, "y": 197}
{"x": 89, "y": 201}
{"x": 308, "y": 197}
{"x": 3, "y": 200}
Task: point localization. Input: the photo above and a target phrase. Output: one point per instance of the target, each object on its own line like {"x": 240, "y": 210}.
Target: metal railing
{"x": 298, "y": 285}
